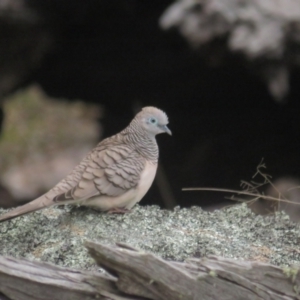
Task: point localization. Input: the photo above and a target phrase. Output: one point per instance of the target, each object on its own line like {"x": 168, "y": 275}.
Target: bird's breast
{"x": 146, "y": 180}
{"x": 129, "y": 198}
{"x": 147, "y": 177}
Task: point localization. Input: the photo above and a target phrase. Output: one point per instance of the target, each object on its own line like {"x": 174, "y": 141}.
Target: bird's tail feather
{"x": 37, "y": 204}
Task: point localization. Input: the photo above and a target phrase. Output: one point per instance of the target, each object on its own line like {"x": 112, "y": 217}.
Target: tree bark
{"x": 25, "y": 280}
{"x": 140, "y": 275}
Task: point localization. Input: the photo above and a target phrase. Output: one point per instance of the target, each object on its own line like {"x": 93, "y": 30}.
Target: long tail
{"x": 37, "y": 204}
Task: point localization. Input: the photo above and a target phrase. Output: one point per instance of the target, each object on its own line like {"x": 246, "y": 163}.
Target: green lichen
{"x": 291, "y": 273}
{"x": 57, "y": 235}
{"x": 213, "y": 273}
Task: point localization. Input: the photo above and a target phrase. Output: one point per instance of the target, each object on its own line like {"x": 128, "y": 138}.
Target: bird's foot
{"x": 117, "y": 210}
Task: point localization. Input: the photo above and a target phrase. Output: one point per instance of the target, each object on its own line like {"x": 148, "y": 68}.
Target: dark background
{"x": 223, "y": 119}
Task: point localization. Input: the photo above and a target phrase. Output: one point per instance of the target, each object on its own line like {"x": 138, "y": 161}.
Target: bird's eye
{"x": 153, "y": 121}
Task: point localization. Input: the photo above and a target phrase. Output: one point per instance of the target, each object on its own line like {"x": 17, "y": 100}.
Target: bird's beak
{"x": 166, "y": 130}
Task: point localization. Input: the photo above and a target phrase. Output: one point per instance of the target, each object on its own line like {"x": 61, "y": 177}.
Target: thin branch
{"x": 239, "y": 193}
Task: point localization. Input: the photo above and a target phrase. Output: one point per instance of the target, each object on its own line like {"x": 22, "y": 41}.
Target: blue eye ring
{"x": 152, "y": 120}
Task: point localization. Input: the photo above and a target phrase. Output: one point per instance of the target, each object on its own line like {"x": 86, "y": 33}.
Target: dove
{"x": 115, "y": 175}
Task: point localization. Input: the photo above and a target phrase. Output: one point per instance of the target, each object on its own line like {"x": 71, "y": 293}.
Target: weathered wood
{"x": 24, "y": 280}
{"x": 212, "y": 278}
{"x": 140, "y": 275}
{"x": 266, "y": 279}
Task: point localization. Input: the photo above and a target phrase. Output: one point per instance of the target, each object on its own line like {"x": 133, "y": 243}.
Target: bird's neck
{"x": 142, "y": 142}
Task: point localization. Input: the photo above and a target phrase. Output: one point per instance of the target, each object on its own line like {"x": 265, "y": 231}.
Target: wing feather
{"x": 111, "y": 172}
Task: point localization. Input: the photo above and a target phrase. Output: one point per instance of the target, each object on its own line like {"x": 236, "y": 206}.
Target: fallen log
{"x": 132, "y": 274}
{"x": 22, "y": 279}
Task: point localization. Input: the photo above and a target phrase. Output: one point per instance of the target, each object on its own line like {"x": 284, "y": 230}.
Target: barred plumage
{"x": 115, "y": 175}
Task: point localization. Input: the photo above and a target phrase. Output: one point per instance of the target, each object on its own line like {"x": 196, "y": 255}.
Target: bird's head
{"x": 154, "y": 121}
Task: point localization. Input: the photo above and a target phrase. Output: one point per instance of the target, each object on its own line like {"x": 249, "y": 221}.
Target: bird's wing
{"x": 109, "y": 169}
{"x": 111, "y": 172}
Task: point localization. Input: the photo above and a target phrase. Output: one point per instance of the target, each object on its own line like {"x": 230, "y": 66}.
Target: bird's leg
{"x": 117, "y": 210}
